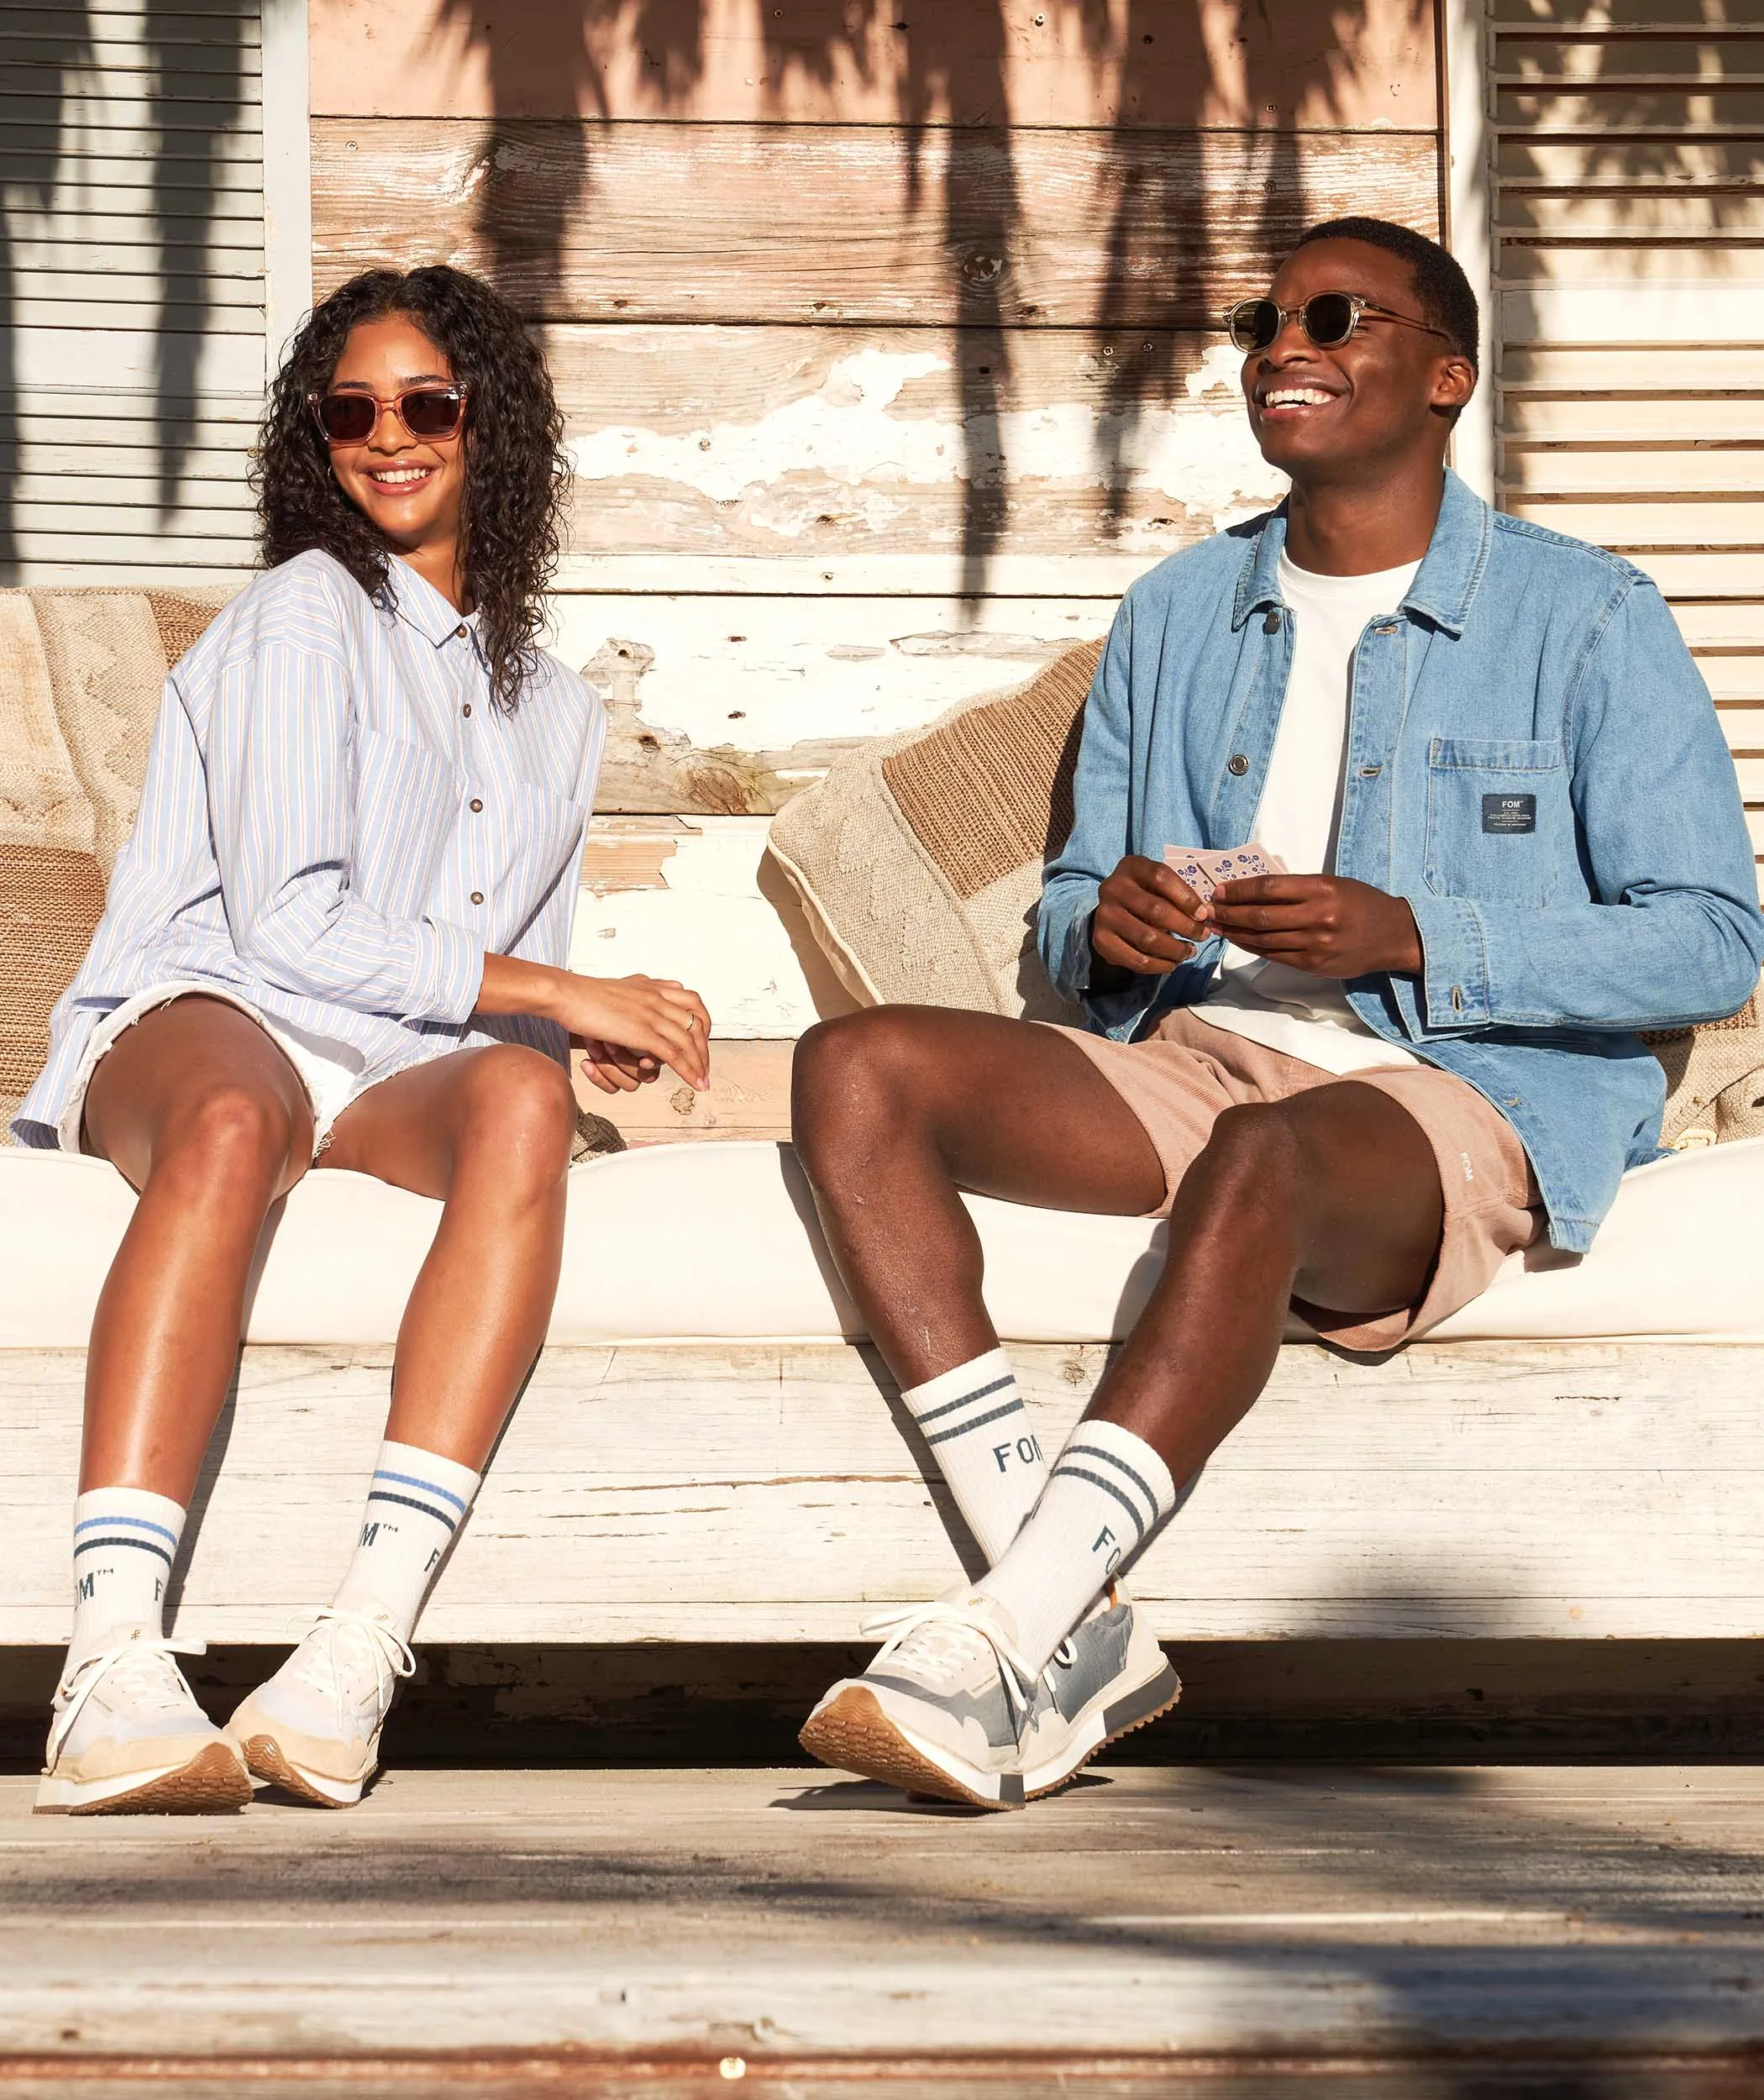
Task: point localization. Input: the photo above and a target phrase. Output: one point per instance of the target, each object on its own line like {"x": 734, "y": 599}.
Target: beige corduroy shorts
{"x": 1180, "y": 1079}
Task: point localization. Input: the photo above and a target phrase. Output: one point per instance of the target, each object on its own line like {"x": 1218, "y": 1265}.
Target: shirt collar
{"x": 419, "y": 605}
{"x": 1444, "y": 586}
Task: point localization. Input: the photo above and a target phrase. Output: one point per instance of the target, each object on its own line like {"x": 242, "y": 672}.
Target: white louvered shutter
{"x": 1630, "y": 144}
{"x": 131, "y": 180}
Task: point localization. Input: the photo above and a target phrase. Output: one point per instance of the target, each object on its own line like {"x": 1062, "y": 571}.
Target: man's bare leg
{"x": 1332, "y": 1196}
{"x": 1002, "y": 1694}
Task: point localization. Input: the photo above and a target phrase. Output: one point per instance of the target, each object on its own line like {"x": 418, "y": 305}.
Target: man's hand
{"x": 1325, "y": 925}
{"x": 1147, "y": 921}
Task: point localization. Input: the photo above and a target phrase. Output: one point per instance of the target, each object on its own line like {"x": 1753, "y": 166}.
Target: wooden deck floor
{"x": 1432, "y": 1932}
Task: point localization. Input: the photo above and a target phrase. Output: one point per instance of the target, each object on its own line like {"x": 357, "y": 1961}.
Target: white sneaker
{"x": 940, "y": 1710}
{"x": 314, "y": 1728}
{"x": 128, "y": 1738}
{"x": 1107, "y": 1678}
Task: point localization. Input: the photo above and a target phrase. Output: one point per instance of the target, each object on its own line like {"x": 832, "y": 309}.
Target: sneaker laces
{"x": 141, "y": 1670}
{"x": 320, "y": 1662}
{"x": 942, "y": 1634}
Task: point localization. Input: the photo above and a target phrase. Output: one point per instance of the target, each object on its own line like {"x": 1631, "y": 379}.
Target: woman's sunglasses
{"x": 425, "y": 411}
{"x": 1328, "y": 318}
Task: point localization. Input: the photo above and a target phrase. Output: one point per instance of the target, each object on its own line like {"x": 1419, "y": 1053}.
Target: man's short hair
{"x": 1446, "y": 300}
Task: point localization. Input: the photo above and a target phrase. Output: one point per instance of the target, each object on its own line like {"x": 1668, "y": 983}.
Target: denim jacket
{"x": 1533, "y": 761}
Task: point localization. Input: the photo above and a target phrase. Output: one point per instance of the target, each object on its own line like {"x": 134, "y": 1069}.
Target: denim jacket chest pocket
{"x": 406, "y": 810}
{"x": 1500, "y": 825}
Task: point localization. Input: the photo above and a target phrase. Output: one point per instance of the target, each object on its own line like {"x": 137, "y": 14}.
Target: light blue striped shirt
{"x": 338, "y": 823}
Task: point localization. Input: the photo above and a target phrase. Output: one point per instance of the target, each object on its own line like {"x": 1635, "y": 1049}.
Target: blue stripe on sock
{"x": 140, "y": 1545}
{"x": 979, "y": 1392}
{"x": 428, "y": 1487}
{"x": 1062, "y": 1470}
{"x": 407, "y": 1502}
{"x": 144, "y": 1524}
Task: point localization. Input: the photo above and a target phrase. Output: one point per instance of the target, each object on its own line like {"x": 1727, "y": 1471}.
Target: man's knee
{"x": 522, "y": 1103}
{"x": 848, "y": 1072}
{"x": 1257, "y": 1144}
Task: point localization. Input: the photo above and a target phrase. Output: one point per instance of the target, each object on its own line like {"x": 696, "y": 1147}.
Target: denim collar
{"x": 1444, "y": 586}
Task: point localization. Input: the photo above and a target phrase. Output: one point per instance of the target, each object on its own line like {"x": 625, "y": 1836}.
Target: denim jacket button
{"x": 1237, "y": 763}
{"x": 1271, "y": 622}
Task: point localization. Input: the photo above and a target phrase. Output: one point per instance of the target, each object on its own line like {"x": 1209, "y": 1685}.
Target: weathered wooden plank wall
{"x": 888, "y": 343}
{"x": 844, "y": 302}
{"x": 1630, "y": 143}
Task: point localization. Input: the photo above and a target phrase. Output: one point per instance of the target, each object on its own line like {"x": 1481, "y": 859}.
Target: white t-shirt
{"x": 1269, "y": 1002}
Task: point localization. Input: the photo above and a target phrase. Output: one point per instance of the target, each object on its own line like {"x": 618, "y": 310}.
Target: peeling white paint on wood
{"x": 1571, "y": 1490}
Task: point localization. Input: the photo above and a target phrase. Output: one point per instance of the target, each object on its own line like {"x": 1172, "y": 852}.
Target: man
{"x": 1513, "y": 838}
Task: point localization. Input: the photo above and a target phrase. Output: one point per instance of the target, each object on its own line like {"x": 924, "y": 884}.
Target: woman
{"x": 336, "y": 939}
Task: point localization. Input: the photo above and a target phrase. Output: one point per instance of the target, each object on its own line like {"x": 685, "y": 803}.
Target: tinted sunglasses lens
{"x": 346, "y": 419}
{"x": 1329, "y": 319}
{"x": 1254, "y": 323}
{"x": 433, "y": 414}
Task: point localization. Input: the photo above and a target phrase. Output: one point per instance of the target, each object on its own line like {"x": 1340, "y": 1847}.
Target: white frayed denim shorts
{"x": 329, "y": 1072}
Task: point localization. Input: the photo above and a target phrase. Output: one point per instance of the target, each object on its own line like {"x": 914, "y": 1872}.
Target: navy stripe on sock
{"x": 140, "y": 1545}
{"x": 428, "y": 1487}
{"x": 1063, "y": 1470}
{"x": 979, "y": 1392}
{"x": 979, "y": 1421}
{"x": 141, "y": 1523}
{"x": 1090, "y": 1450}
{"x": 407, "y": 1501}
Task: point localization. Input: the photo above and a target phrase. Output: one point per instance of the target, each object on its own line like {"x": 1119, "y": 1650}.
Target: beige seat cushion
{"x": 918, "y": 859}
{"x": 80, "y": 675}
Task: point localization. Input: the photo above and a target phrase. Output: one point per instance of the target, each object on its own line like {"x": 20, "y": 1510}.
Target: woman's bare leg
{"x": 488, "y": 1131}
{"x": 199, "y": 1110}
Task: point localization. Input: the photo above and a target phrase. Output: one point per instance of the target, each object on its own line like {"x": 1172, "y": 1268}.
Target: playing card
{"x": 1204, "y": 868}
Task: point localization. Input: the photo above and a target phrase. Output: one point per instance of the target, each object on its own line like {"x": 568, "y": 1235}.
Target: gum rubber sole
{"x": 212, "y": 1781}
{"x": 264, "y": 1757}
{"x": 1121, "y": 1728}
{"x": 853, "y": 1734}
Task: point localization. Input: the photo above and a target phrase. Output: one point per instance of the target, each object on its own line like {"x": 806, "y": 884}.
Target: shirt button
{"x": 460, "y": 631}
{"x": 1237, "y": 763}
{"x": 1271, "y": 622}
{"x": 477, "y": 897}
{"x": 466, "y": 709}
{"x": 477, "y": 805}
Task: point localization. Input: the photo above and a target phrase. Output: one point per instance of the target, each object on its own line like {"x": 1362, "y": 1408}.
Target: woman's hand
{"x": 1328, "y": 926}
{"x": 629, "y": 1027}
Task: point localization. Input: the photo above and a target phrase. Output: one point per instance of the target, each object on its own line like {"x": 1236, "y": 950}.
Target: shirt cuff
{"x": 449, "y": 972}
{"x": 1454, "y": 962}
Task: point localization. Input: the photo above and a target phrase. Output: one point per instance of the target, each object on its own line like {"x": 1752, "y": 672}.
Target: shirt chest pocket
{"x": 1498, "y": 819}
{"x": 406, "y": 810}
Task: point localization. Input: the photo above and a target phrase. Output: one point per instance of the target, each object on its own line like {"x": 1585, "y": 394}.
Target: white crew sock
{"x": 125, "y": 1541}
{"x": 980, "y": 1435}
{"x": 416, "y": 1503}
{"x": 1108, "y": 1493}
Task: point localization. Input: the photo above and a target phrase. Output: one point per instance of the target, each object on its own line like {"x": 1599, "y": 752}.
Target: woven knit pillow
{"x": 80, "y": 675}
{"x": 918, "y": 859}
{"x": 1714, "y": 1079}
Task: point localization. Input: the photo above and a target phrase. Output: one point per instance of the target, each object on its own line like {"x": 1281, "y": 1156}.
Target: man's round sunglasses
{"x": 425, "y": 411}
{"x": 1327, "y": 318}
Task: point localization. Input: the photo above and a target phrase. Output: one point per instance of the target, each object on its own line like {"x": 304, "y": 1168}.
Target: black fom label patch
{"x": 1507, "y": 815}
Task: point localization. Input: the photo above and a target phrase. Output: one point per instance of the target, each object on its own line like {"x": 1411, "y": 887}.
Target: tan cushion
{"x": 918, "y": 859}
{"x": 82, "y": 672}
{"x": 1714, "y": 1079}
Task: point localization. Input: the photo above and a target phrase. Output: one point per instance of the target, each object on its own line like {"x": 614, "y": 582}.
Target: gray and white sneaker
{"x": 940, "y": 1709}
{"x": 1107, "y": 1678}
{"x": 314, "y": 1727}
{"x": 128, "y": 1738}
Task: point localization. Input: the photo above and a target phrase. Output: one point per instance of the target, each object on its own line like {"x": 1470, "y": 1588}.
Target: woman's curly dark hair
{"x": 516, "y": 478}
